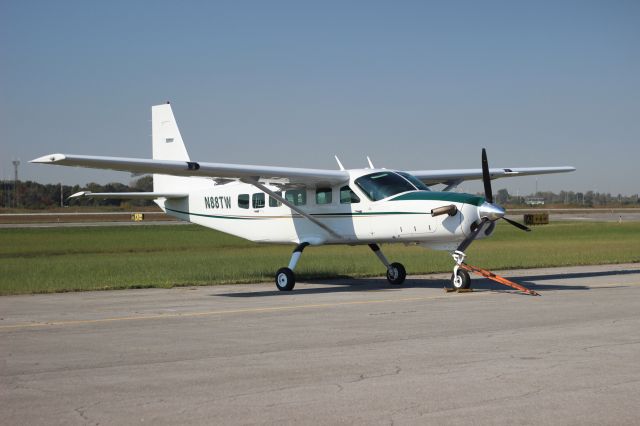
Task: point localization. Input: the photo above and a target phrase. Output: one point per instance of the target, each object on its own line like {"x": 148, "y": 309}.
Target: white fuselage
{"x": 243, "y": 210}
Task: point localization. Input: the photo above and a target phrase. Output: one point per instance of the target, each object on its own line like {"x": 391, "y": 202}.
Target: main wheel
{"x": 285, "y": 279}
{"x": 396, "y": 273}
{"x": 461, "y": 280}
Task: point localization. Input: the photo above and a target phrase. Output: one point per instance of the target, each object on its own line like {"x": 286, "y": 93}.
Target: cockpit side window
{"x": 347, "y": 196}
{"x": 378, "y": 186}
{"x": 414, "y": 180}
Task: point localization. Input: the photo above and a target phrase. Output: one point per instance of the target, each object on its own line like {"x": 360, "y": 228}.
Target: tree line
{"x": 34, "y": 195}
{"x": 570, "y": 199}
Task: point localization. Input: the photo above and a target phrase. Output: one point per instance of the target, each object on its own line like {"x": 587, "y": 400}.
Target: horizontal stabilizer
{"x": 129, "y": 195}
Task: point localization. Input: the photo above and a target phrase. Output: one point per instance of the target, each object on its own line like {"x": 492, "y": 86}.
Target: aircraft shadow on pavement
{"x": 343, "y": 284}
{"x": 347, "y": 284}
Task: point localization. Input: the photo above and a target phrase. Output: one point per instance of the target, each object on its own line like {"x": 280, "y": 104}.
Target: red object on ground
{"x": 497, "y": 278}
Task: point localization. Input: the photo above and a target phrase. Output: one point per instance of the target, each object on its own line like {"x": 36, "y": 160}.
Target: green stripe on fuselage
{"x": 455, "y": 197}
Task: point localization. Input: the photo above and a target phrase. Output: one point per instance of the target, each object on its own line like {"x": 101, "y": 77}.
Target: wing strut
{"x": 292, "y": 207}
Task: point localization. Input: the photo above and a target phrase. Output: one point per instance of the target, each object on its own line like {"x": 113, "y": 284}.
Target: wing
{"x": 284, "y": 175}
{"x": 455, "y": 177}
{"x": 129, "y": 195}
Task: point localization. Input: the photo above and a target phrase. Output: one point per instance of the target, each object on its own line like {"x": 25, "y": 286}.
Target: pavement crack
{"x": 609, "y": 345}
{"x": 82, "y": 412}
{"x": 363, "y": 376}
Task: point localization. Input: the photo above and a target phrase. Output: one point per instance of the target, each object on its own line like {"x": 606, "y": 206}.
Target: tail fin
{"x": 167, "y": 142}
{"x": 167, "y": 145}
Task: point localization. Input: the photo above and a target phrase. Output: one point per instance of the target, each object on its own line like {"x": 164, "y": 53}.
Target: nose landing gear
{"x": 461, "y": 281}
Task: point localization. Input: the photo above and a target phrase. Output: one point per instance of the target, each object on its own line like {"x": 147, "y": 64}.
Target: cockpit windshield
{"x": 381, "y": 185}
{"x": 415, "y": 181}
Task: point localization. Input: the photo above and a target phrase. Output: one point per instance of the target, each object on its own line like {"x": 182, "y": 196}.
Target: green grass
{"x": 70, "y": 259}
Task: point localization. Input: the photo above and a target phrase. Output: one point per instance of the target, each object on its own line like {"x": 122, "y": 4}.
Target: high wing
{"x": 283, "y": 175}
{"x": 454, "y": 177}
{"x": 288, "y": 176}
{"x": 130, "y": 195}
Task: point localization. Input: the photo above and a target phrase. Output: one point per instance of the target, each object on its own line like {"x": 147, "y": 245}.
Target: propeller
{"x": 488, "y": 194}
{"x": 489, "y": 212}
{"x": 486, "y": 178}
{"x": 472, "y": 236}
{"x": 518, "y": 225}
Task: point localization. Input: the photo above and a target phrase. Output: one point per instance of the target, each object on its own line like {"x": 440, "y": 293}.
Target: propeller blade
{"x": 517, "y": 225}
{"x": 486, "y": 177}
{"x": 490, "y": 228}
{"x": 467, "y": 241}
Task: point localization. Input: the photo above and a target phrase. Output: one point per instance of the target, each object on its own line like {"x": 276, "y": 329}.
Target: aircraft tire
{"x": 463, "y": 282}
{"x": 396, "y": 273}
{"x": 285, "y": 279}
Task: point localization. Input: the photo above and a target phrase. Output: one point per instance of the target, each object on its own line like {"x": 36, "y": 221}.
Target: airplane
{"x": 312, "y": 207}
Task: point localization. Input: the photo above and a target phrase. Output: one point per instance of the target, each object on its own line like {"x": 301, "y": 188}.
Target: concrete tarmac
{"x": 330, "y": 352}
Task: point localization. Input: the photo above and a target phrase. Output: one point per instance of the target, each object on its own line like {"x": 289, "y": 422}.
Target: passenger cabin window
{"x": 347, "y": 196}
{"x": 257, "y": 200}
{"x": 243, "y": 201}
{"x": 273, "y": 202}
{"x": 378, "y": 186}
{"x": 297, "y": 197}
{"x": 323, "y": 196}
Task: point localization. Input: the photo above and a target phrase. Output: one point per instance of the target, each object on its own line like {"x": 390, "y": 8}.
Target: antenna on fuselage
{"x": 339, "y": 163}
{"x": 370, "y": 163}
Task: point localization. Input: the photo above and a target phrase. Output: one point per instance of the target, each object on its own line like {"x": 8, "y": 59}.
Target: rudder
{"x": 167, "y": 145}
{"x": 167, "y": 141}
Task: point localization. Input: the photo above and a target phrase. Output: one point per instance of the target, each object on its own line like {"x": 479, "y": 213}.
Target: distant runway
{"x": 339, "y": 351}
{"x": 56, "y": 220}
{"x": 82, "y": 219}
{"x": 585, "y": 215}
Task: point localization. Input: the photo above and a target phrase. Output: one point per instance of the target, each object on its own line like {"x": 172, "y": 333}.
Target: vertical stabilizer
{"x": 167, "y": 141}
{"x": 167, "y": 145}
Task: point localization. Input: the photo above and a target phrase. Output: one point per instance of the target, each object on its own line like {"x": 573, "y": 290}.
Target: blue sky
{"x": 414, "y": 85}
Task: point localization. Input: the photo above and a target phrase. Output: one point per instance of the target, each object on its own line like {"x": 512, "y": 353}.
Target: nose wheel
{"x": 460, "y": 279}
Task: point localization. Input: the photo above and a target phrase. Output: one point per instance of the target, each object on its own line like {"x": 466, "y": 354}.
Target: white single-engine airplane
{"x": 313, "y": 206}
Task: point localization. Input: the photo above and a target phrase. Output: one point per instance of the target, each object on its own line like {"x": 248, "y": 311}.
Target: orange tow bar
{"x": 497, "y": 278}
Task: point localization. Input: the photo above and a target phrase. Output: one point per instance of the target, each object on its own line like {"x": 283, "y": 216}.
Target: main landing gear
{"x": 395, "y": 271}
{"x": 286, "y": 279}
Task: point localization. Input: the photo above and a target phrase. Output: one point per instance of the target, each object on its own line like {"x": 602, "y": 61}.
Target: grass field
{"x": 70, "y": 259}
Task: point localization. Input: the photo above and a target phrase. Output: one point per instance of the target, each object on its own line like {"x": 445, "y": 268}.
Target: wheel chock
{"x": 461, "y": 290}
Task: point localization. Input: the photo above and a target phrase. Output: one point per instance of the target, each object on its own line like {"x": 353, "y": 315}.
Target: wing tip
{"x": 79, "y": 194}
{"x": 51, "y": 158}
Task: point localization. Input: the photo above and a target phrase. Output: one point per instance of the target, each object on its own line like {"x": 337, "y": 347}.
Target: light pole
{"x": 16, "y": 163}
